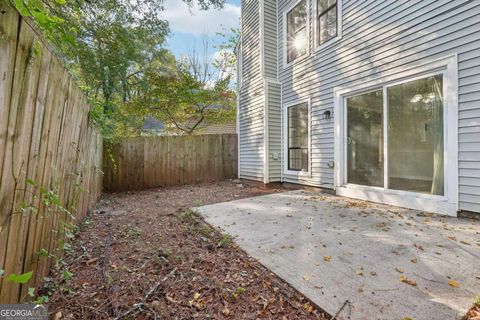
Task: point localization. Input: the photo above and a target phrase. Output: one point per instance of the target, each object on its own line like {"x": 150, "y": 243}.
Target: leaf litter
{"x": 160, "y": 260}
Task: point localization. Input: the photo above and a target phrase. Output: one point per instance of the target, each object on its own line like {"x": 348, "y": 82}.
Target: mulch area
{"x": 473, "y": 313}
{"x": 145, "y": 255}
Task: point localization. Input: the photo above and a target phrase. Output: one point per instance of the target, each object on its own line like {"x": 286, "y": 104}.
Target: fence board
{"x": 148, "y": 162}
{"x": 45, "y": 144}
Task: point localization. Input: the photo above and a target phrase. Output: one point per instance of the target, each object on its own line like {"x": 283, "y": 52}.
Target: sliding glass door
{"x": 365, "y": 139}
{"x": 395, "y": 137}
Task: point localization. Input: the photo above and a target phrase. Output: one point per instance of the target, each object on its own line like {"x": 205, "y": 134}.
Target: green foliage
{"x": 190, "y": 216}
{"x": 43, "y": 253}
{"x": 67, "y": 275}
{"x": 53, "y": 27}
{"x": 115, "y": 48}
{"x": 69, "y": 234}
{"x": 66, "y": 246}
{"x": 49, "y": 197}
{"x": 25, "y": 208}
{"x": 31, "y": 292}
{"x": 476, "y": 301}
{"x": 240, "y": 290}
{"x": 21, "y": 278}
{"x": 227, "y": 58}
{"x": 197, "y": 203}
{"x": 42, "y": 299}
{"x": 183, "y": 100}
{"x": 225, "y": 240}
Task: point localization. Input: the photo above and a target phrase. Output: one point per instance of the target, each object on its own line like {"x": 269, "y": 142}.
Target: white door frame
{"x": 447, "y": 204}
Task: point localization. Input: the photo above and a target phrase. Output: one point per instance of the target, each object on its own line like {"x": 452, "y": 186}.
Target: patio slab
{"x": 353, "y": 254}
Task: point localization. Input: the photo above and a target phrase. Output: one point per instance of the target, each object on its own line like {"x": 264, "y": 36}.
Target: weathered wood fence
{"x": 50, "y": 158}
{"x": 148, "y": 162}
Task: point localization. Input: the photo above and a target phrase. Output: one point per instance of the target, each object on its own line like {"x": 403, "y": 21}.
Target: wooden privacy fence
{"x": 50, "y": 158}
{"x": 148, "y": 162}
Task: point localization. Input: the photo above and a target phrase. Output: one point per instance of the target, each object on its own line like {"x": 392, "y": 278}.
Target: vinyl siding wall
{"x": 251, "y": 96}
{"x": 273, "y": 91}
{"x": 274, "y": 130}
{"x": 382, "y": 38}
{"x": 269, "y": 38}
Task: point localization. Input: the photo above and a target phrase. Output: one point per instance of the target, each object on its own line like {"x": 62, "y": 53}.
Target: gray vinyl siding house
{"x": 298, "y": 80}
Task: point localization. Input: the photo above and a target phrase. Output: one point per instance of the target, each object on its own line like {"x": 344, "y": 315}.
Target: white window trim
{"x": 332, "y": 41}
{"x": 286, "y": 171}
{"x": 447, "y": 204}
{"x": 287, "y": 64}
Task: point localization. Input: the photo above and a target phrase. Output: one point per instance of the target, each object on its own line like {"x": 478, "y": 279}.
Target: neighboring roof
{"x": 151, "y": 123}
{"x": 230, "y": 127}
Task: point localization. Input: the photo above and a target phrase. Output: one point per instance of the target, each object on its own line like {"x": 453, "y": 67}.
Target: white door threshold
{"x": 408, "y": 200}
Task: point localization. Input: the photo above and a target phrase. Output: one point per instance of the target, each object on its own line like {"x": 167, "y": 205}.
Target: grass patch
{"x": 190, "y": 216}
{"x": 225, "y": 240}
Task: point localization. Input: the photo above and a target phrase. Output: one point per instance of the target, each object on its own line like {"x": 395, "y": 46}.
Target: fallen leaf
{"x": 170, "y": 299}
{"x": 226, "y": 311}
{"x": 465, "y": 242}
{"x": 308, "y": 307}
{"x": 263, "y": 313}
{"x": 419, "y": 247}
{"x": 453, "y": 283}
{"x": 399, "y": 270}
{"x": 306, "y": 278}
{"x": 327, "y": 258}
{"x": 408, "y": 281}
{"x": 414, "y": 260}
{"x": 196, "y": 296}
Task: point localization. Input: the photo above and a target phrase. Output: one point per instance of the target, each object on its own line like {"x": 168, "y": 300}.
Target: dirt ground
{"x": 145, "y": 255}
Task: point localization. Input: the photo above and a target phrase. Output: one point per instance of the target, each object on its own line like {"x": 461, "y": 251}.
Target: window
{"x": 327, "y": 20}
{"x": 297, "y": 38}
{"x": 297, "y": 131}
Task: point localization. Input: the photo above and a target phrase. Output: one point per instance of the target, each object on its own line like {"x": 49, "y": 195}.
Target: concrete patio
{"x": 359, "y": 259}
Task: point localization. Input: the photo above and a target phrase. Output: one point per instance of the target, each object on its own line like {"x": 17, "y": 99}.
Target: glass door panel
{"x": 415, "y": 136}
{"x": 365, "y": 139}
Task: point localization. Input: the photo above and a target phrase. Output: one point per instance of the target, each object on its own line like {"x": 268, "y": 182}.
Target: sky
{"x": 189, "y": 26}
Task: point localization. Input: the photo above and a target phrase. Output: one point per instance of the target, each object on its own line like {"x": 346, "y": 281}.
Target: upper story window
{"x": 327, "y": 20}
{"x": 297, "y": 31}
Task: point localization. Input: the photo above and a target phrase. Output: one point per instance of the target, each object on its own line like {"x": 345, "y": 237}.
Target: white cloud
{"x": 195, "y": 21}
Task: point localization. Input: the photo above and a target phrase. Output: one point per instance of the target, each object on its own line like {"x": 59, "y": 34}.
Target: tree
{"x": 183, "y": 101}
{"x": 227, "y": 59}
{"x": 116, "y": 50}
{"x": 108, "y": 44}
{"x": 196, "y": 92}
